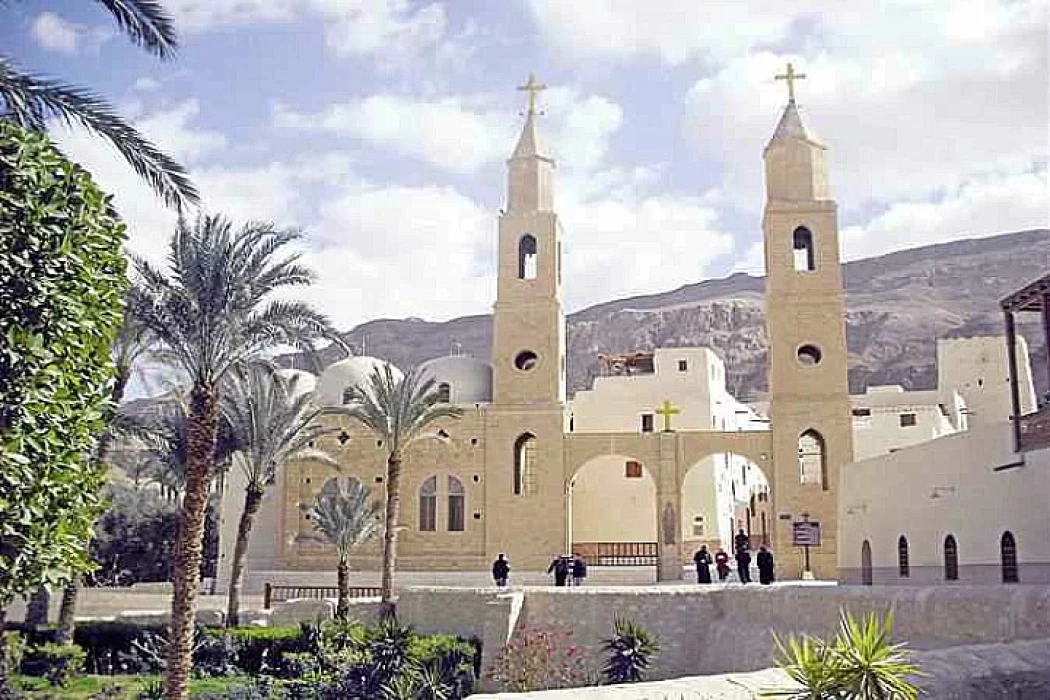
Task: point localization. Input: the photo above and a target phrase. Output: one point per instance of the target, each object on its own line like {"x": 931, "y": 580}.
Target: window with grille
{"x": 903, "y": 568}
{"x": 1008, "y": 553}
{"x": 951, "y": 559}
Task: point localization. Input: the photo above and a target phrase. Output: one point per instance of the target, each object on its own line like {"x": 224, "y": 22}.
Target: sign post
{"x": 805, "y": 534}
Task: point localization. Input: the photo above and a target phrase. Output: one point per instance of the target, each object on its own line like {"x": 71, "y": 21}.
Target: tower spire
{"x": 790, "y": 124}
{"x": 529, "y": 143}
{"x": 530, "y": 167}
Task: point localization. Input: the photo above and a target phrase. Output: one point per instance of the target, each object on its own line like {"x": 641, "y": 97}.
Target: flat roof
{"x": 1030, "y": 298}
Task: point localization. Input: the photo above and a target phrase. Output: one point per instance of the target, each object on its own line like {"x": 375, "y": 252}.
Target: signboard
{"x": 805, "y": 534}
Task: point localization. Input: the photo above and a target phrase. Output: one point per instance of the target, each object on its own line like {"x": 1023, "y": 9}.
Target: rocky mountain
{"x": 898, "y": 305}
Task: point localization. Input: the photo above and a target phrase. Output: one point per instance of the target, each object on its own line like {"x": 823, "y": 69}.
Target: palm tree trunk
{"x": 342, "y": 572}
{"x": 393, "y": 514}
{"x": 67, "y": 612}
{"x": 252, "y": 499}
{"x": 202, "y": 429}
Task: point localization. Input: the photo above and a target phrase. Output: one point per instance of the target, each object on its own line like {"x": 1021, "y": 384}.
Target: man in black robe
{"x": 743, "y": 565}
{"x": 501, "y": 570}
{"x": 560, "y": 566}
{"x": 765, "y": 566}
{"x": 703, "y": 564}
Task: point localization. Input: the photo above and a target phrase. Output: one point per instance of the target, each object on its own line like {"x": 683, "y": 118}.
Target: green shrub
{"x": 110, "y": 646}
{"x": 262, "y": 650}
{"x": 13, "y": 649}
{"x": 56, "y": 662}
{"x": 629, "y": 652}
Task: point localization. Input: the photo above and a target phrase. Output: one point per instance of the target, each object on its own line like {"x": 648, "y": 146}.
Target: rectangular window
{"x": 862, "y": 412}
{"x": 908, "y": 420}
{"x": 428, "y": 513}
{"x": 683, "y": 366}
{"x": 647, "y": 422}
{"x": 633, "y": 470}
{"x": 456, "y": 512}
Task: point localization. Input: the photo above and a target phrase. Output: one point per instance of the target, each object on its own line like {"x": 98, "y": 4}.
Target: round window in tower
{"x": 526, "y": 360}
{"x": 809, "y": 355}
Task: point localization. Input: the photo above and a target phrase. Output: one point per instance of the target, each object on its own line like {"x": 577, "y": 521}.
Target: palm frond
{"x": 146, "y": 23}
{"x": 31, "y": 100}
{"x": 345, "y": 518}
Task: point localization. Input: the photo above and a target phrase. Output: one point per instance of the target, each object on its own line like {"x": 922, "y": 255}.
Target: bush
{"x": 135, "y": 538}
{"x": 56, "y": 662}
{"x": 263, "y": 650}
{"x": 13, "y": 649}
{"x": 629, "y": 652}
{"x": 540, "y": 657}
{"x": 111, "y": 646}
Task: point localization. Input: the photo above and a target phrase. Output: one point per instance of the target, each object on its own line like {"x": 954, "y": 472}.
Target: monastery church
{"x": 657, "y": 457}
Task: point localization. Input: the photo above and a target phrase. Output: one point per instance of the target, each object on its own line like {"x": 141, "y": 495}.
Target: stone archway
{"x": 721, "y": 493}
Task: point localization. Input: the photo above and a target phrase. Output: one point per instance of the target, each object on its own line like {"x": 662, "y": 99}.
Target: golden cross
{"x": 667, "y": 410}
{"x": 532, "y": 86}
{"x": 791, "y": 76}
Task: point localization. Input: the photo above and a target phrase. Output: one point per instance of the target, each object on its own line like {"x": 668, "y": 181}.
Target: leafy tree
{"x": 272, "y": 422}
{"x": 135, "y": 538}
{"x": 346, "y": 519}
{"x": 630, "y": 651}
{"x": 211, "y": 311}
{"x": 861, "y": 663}
{"x": 30, "y": 100}
{"x": 397, "y": 410}
{"x": 62, "y": 280}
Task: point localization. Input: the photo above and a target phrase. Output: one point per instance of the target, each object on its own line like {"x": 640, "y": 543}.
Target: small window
{"x": 908, "y": 420}
{"x": 903, "y": 567}
{"x": 525, "y": 465}
{"x": 647, "y": 422}
{"x": 951, "y": 559}
{"x": 526, "y": 360}
{"x": 802, "y": 249}
{"x": 527, "y": 262}
{"x": 348, "y": 395}
{"x": 444, "y": 393}
{"x": 862, "y": 413}
{"x": 812, "y": 459}
{"x": 344, "y": 437}
{"x": 633, "y": 470}
{"x": 809, "y": 355}
{"x": 428, "y": 505}
{"x": 456, "y": 505}
{"x": 683, "y": 366}
{"x": 1008, "y": 554}
{"x": 866, "y": 574}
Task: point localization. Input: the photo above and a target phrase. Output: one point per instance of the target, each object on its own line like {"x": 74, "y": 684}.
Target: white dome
{"x": 469, "y": 380}
{"x": 345, "y": 374}
{"x": 301, "y": 381}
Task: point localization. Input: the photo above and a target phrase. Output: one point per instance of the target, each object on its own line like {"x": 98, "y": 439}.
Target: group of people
{"x": 568, "y": 570}
{"x": 741, "y": 547}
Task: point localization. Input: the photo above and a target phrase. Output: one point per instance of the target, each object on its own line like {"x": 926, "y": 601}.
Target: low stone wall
{"x": 1018, "y": 671}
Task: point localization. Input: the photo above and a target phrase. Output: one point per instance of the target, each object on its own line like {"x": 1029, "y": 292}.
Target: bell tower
{"x": 528, "y": 345}
{"x": 805, "y": 328}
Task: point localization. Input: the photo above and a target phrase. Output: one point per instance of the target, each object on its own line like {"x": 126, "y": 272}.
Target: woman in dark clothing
{"x": 765, "y": 566}
{"x": 703, "y": 564}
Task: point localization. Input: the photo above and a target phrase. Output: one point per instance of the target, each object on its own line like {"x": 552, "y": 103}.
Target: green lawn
{"x": 85, "y": 687}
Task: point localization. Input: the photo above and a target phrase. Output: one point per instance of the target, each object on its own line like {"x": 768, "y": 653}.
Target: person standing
{"x": 741, "y": 542}
{"x": 743, "y": 565}
{"x": 560, "y": 567}
{"x": 501, "y": 570}
{"x": 702, "y": 558}
{"x": 765, "y": 566}
{"x": 722, "y": 565}
{"x": 579, "y": 570}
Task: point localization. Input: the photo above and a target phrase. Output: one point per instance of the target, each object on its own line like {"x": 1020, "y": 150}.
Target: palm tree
{"x": 212, "y": 311}
{"x": 30, "y": 100}
{"x": 346, "y": 519}
{"x": 132, "y": 342}
{"x": 272, "y": 422}
{"x": 397, "y": 410}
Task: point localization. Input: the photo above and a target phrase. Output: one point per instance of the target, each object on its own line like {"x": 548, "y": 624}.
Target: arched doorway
{"x": 866, "y": 574}
{"x": 722, "y": 494}
{"x": 613, "y": 512}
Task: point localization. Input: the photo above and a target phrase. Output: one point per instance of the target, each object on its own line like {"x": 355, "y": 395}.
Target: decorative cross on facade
{"x": 790, "y": 76}
{"x": 667, "y": 410}
{"x": 532, "y": 86}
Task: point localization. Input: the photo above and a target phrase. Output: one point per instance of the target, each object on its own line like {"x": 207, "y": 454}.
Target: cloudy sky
{"x": 381, "y": 127}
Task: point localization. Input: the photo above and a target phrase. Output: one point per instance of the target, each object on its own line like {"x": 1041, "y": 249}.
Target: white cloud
{"x": 145, "y": 84}
{"x": 170, "y": 129}
{"x": 53, "y": 33}
{"x": 990, "y": 204}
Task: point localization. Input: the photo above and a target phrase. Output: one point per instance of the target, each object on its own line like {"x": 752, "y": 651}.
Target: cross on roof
{"x": 667, "y": 409}
{"x": 532, "y": 86}
{"x": 790, "y": 76}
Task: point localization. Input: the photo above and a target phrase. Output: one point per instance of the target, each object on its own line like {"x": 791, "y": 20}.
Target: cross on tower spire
{"x": 790, "y": 76}
{"x": 532, "y": 86}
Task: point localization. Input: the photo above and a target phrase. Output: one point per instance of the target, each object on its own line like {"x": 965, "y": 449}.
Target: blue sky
{"x": 380, "y": 127}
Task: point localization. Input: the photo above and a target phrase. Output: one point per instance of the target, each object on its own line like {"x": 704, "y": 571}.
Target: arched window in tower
{"x": 866, "y": 575}
{"x": 1008, "y": 554}
{"x": 951, "y": 559}
{"x": 428, "y": 505}
{"x": 812, "y": 460}
{"x": 802, "y": 249}
{"x": 444, "y": 392}
{"x": 525, "y": 465}
{"x": 527, "y": 260}
{"x": 903, "y": 567}
{"x": 457, "y": 499}
{"x": 348, "y": 395}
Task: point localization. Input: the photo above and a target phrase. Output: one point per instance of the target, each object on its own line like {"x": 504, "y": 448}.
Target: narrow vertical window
{"x": 647, "y": 422}
{"x": 812, "y": 460}
{"x": 903, "y": 567}
{"x": 866, "y": 575}
{"x": 802, "y": 248}
{"x": 428, "y": 505}
{"x": 1008, "y": 554}
{"x": 951, "y": 559}
{"x": 456, "y": 504}
{"x": 527, "y": 262}
{"x": 444, "y": 393}
{"x": 525, "y": 465}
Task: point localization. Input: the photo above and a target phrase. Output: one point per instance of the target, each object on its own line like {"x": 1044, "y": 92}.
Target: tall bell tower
{"x": 805, "y": 328}
{"x": 528, "y": 347}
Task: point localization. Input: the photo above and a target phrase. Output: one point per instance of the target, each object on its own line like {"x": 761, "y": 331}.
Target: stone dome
{"x": 346, "y": 374}
{"x": 469, "y": 380}
{"x": 304, "y": 382}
